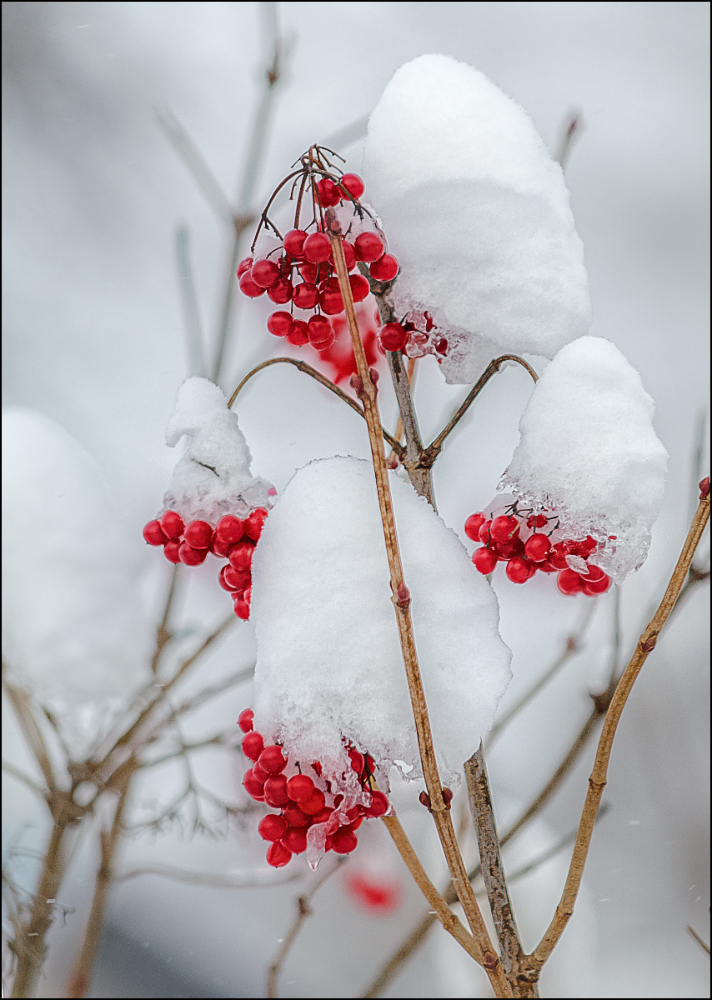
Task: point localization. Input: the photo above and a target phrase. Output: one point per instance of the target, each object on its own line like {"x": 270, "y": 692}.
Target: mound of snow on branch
{"x": 329, "y": 662}
{"x": 588, "y": 450}
{"x": 478, "y": 215}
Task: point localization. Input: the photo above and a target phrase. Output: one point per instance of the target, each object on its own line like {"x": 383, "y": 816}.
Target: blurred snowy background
{"x": 93, "y": 339}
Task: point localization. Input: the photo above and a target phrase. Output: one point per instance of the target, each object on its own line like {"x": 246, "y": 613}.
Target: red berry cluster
{"x": 528, "y": 542}
{"x": 416, "y": 335}
{"x": 303, "y": 273}
{"x": 303, "y": 800}
{"x": 231, "y": 538}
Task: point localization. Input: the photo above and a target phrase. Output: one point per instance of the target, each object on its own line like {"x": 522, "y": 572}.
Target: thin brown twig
{"x": 322, "y": 380}
{"x": 20, "y": 701}
{"x": 597, "y": 780}
{"x": 701, "y": 942}
{"x": 163, "y": 635}
{"x": 303, "y": 911}
{"x": 24, "y": 779}
{"x": 574, "y": 128}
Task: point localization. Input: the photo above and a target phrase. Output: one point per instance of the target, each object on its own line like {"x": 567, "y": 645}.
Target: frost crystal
{"x": 478, "y": 215}
{"x": 329, "y": 663}
{"x": 213, "y": 476}
{"x": 589, "y": 453}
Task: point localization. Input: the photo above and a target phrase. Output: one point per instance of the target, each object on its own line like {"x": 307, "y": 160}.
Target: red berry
{"x": 537, "y": 548}
{"x": 246, "y": 720}
{"x": 231, "y": 580}
{"x": 272, "y": 759}
{"x": 252, "y": 745}
{"x": 299, "y": 334}
{"x": 247, "y": 595}
{"x": 276, "y": 791}
{"x": 356, "y": 759}
{"x": 368, "y": 247}
{"x": 253, "y": 786}
{"x": 278, "y": 856}
{"x": 504, "y": 528}
{"x": 154, "y": 534}
{"x": 321, "y": 333}
{"x": 379, "y": 805}
{"x": 218, "y": 548}
{"x": 243, "y": 266}
{"x": 294, "y": 242}
{"x": 305, "y": 295}
{"x": 294, "y": 815}
{"x": 248, "y": 287}
{"x": 330, "y": 297}
{"x": 311, "y": 273}
{"x": 441, "y": 346}
{"x": 557, "y": 556}
{"x": 520, "y": 570}
{"x": 172, "y": 524}
{"x": 507, "y": 550}
{"x": 242, "y": 609}
{"x": 385, "y": 268}
{"x": 199, "y": 534}
{"x": 317, "y": 248}
{"x": 191, "y": 556}
{"x": 300, "y": 788}
{"x": 229, "y": 529}
{"x": 589, "y": 545}
{"x": 473, "y": 525}
{"x": 281, "y": 292}
{"x": 260, "y": 773}
{"x": 241, "y": 556}
{"x": 569, "y": 582}
{"x": 315, "y": 804}
{"x": 484, "y": 559}
{"x": 265, "y": 273}
{"x": 255, "y": 522}
{"x": 280, "y": 323}
{"x": 295, "y": 839}
{"x": 171, "y": 551}
{"x": 349, "y": 255}
{"x": 393, "y": 337}
{"x": 323, "y": 816}
{"x": 538, "y": 521}
{"x": 344, "y": 840}
{"x": 596, "y": 581}
{"x": 353, "y": 184}
{"x": 485, "y": 532}
{"x": 359, "y": 287}
{"x": 546, "y": 567}
{"x": 271, "y": 827}
{"x": 329, "y": 194}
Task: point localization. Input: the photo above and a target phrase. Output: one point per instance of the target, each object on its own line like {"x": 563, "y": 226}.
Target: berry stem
{"x": 439, "y": 809}
{"x": 597, "y": 780}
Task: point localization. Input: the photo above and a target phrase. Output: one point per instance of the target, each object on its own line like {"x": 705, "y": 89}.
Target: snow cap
{"x": 213, "y": 475}
{"x": 478, "y": 215}
{"x": 329, "y": 662}
{"x": 588, "y": 450}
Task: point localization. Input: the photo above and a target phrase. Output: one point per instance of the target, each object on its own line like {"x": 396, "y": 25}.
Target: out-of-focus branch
{"x": 571, "y": 132}
{"x": 701, "y": 942}
{"x": 246, "y": 880}
{"x": 20, "y": 701}
{"x": 189, "y": 299}
{"x": 163, "y": 634}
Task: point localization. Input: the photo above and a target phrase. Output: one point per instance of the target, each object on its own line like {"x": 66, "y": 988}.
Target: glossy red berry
{"x": 271, "y": 827}
{"x": 229, "y": 529}
{"x": 569, "y": 582}
{"x": 252, "y": 745}
{"x": 317, "y": 248}
{"x": 321, "y": 333}
{"x": 272, "y": 759}
{"x": 300, "y": 788}
{"x": 507, "y": 550}
{"x": 281, "y": 292}
{"x": 379, "y": 805}
{"x": 243, "y": 266}
{"x": 349, "y": 255}
{"x": 230, "y": 579}
{"x": 280, "y": 323}
{"x": 473, "y": 525}
{"x": 255, "y": 522}
{"x": 260, "y": 773}
{"x": 484, "y": 559}
{"x": 329, "y": 194}
{"x": 172, "y": 524}
{"x": 246, "y": 720}
{"x": 191, "y": 556}
{"x": 356, "y": 759}
{"x": 241, "y": 556}
{"x": 557, "y": 556}
{"x": 344, "y": 840}
{"x": 219, "y": 548}
{"x": 294, "y": 815}
{"x": 520, "y": 570}
{"x": 393, "y": 337}
{"x": 278, "y": 856}
{"x": 154, "y": 534}
{"x": 248, "y": 287}
{"x": 546, "y": 567}
{"x": 385, "y": 268}
{"x": 359, "y": 287}
{"x": 295, "y": 839}
{"x": 306, "y": 295}
{"x": 242, "y": 609}
{"x": 299, "y": 334}
{"x": 323, "y": 816}
{"x": 276, "y": 791}
{"x": 596, "y": 581}
{"x": 253, "y": 786}
{"x": 353, "y": 184}
{"x": 315, "y": 804}
{"x": 368, "y": 247}
{"x": 536, "y": 521}
{"x": 330, "y": 297}
{"x": 294, "y": 242}
{"x": 537, "y": 548}
{"x": 504, "y": 528}
{"x": 265, "y": 273}
{"x": 485, "y": 532}
{"x": 199, "y": 534}
{"x": 171, "y": 550}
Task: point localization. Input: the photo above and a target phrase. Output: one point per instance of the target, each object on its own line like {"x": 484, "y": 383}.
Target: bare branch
{"x": 189, "y": 298}
{"x": 701, "y": 942}
{"x": 572, "y": 129}
{"x": 243, "y": 880}
{"x": 24, "y": 779}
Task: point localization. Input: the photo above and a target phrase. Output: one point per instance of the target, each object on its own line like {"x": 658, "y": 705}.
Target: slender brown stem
{"x": 20, "y": 701}
{"x": 163, "y": 635}
{"x": 401, "y": 602}
{"x": 597, "y": 780}
{"x": 701, "y": 941}
{"x": 323, "y": 380}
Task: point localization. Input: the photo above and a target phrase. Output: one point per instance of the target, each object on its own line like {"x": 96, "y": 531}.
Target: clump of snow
{"x": 329, "y": 662}
{"x": 589, "y": 452}
{"x": 213, "y": 476}
{"x": 74, "y": 631}
{"x": 478, "y": 215}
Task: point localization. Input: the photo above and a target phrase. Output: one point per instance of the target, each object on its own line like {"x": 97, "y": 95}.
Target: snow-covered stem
{"x": 401, "y": 603}
{"x": 80, "y": 978}
{"x": 598, "y": 777}
{"x": 323, "y": 380}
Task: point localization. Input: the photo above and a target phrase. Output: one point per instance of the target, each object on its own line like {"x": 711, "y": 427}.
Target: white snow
{"x": 588, "y": 450}
{"x": 74, "y": 632}
{"x": 213, "y": 476}
{"x": 478, "y": 215}
{"x": 329, "y": 662}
